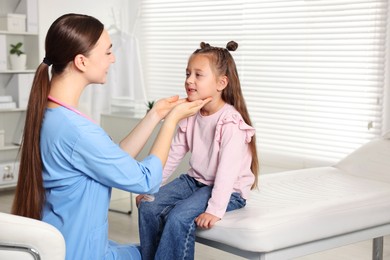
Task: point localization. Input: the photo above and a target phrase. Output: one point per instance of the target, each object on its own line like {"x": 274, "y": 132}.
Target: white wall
{"x": 121, "y": 13}
{"x": 125, "y": 13}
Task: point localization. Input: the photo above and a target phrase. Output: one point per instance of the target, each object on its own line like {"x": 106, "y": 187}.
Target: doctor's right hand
{"x": 187, "y": 109}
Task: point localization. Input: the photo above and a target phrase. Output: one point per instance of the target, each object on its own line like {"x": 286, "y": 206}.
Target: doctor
{"x": 68, "y": 163}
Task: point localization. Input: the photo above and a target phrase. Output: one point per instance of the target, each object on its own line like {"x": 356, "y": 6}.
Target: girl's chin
{"x": 193, "y": 98}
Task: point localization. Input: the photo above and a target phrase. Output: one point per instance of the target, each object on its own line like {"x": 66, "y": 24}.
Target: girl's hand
{"x": 206, "y": 220}
{"x": 138, "y": 199}
{"x": 163, "y": 106}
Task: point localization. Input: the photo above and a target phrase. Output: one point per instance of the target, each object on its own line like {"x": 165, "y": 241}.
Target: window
{"x": 312, "y": 72}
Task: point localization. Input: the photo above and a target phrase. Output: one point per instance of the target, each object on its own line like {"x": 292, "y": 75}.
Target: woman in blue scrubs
{"x": 68, "y": 164}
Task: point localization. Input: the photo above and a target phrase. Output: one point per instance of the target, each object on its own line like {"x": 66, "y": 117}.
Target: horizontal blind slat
{"x": 312, "y": 72}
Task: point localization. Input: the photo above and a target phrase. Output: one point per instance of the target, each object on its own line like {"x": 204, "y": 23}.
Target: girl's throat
{"x": 209, "y": 110}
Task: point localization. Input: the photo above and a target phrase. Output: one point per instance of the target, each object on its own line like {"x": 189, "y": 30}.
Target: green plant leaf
{"x": 16, "y": 49}
{"x": 150, "y": 104}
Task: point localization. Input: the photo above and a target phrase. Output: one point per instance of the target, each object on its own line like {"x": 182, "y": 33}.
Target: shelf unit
{"x": 12, "y": 120}
{"x": 30, "y": 47}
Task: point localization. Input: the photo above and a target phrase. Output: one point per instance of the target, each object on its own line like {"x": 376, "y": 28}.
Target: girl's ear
{"x": 222, "y": 83}
{"x": 80, "y": 62}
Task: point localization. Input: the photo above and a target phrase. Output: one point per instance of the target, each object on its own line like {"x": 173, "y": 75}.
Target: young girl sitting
{"x": 224, "y": 164}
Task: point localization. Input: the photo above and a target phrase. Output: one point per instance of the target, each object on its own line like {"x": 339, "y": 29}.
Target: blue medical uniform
{"x": 80, "y": 166}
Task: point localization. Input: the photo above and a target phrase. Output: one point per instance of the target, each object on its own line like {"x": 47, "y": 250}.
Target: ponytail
{"x": 30, "y": 195}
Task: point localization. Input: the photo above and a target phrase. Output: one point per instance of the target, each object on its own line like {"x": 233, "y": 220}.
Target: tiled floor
{"x": 123, "y": 228}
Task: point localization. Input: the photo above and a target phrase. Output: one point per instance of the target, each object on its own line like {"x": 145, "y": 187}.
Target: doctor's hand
{"x": 186, "y": 109}
{"x": 163, "y": 106}
{"x": 206, "y": 220}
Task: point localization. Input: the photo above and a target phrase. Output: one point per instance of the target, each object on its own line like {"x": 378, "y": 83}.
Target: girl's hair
{"x": 68, "y": 36}
{"x": 223, "y": 64}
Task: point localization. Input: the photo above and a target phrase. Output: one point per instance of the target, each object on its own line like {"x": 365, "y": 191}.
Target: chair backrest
{"x": 26, "y": 238}
{"x": 371, "y": 161}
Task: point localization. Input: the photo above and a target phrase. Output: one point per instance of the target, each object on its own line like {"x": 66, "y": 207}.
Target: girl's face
{"x": 201, "y": 81}
{"x": 99, "y": 60}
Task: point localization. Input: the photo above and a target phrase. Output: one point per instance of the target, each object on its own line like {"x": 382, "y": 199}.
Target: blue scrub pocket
{"x": 98, "y": 242}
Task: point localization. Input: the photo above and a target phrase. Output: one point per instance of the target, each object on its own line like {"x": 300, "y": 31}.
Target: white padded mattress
{"x": 295, "y": 207}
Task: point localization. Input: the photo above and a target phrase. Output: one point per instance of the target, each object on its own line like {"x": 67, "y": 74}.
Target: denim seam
{"x": 192, "y": 227}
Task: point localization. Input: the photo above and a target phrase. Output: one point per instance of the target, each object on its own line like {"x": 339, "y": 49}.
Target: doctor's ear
{"x": 80, "y": 62}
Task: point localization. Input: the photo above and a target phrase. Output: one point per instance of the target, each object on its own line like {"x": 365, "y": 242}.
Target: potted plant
{"x": 17, "y": 57}
{"x": 150, "y": 105}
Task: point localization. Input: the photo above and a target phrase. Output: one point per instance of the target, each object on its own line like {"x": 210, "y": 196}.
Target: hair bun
{"x": 204, "y": 45}
{"x": 232, "y": 46}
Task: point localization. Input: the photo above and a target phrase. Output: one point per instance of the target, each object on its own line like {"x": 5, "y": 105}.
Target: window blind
{"x": 312, "y": 71}
{"x": 172, "y": 30}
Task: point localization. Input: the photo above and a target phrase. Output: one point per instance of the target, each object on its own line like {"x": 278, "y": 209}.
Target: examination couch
{"x": 300, "y": 212}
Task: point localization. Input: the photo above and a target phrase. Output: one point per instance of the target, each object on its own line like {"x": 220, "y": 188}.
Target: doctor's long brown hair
{"x": 223, "y": 63}
{"x": 68, "y": 36}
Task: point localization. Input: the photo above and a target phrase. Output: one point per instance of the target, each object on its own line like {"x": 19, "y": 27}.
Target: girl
{"x": 224, "y": 164}
{"x": 68, "y": 163}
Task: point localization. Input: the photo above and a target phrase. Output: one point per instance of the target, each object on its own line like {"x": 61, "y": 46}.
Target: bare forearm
{"x": 135, "y": 141}
{"x": 137, "y": 138}
{"x": 163, "y": 140}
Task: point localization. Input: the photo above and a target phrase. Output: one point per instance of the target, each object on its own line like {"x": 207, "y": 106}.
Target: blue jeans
{"x": 167, "y": 226}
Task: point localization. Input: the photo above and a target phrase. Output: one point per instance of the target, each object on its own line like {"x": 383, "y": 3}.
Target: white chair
{"x": 25, "y": 238}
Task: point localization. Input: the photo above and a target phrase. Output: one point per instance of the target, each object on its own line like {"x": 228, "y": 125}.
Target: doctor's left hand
{"x": 163, "y": 106}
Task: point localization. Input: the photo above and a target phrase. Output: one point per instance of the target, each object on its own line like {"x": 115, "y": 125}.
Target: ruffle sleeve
{"x": 237, "y": 120}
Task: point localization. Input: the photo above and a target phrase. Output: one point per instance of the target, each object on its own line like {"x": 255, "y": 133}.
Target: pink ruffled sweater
{"x": 220, "y": 154}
